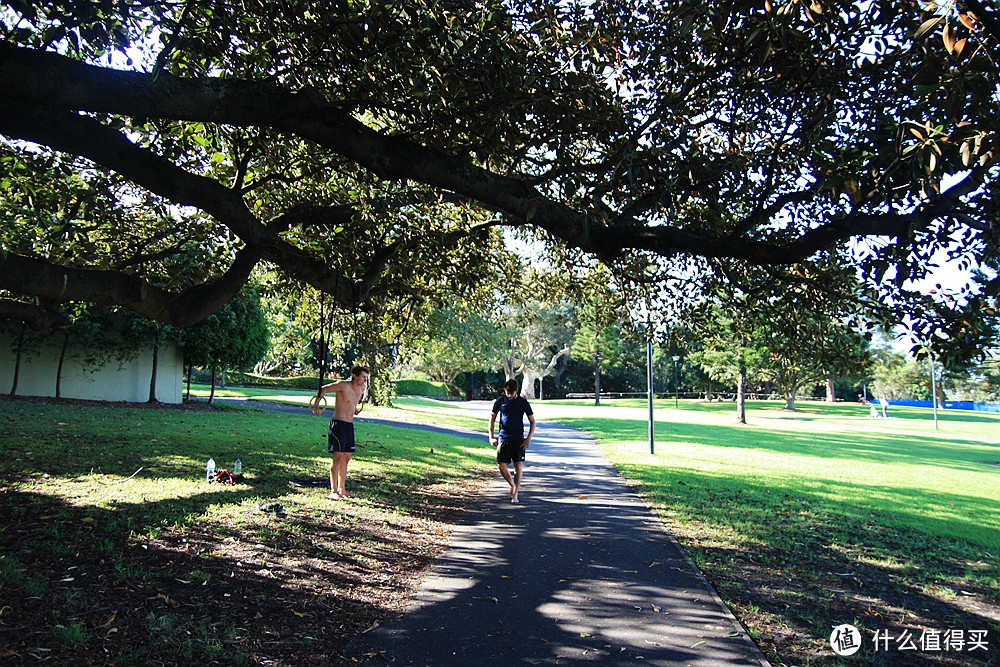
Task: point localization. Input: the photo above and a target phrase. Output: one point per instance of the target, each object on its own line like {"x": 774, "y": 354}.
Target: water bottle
{"x": 238, "y": 467}
{"x": 210, "y": 470}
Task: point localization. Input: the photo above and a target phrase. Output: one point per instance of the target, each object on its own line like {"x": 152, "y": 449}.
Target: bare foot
{"x": 344, "y": 494}
{"x": 514, "y": 500}
{"x": 334, "y": 496}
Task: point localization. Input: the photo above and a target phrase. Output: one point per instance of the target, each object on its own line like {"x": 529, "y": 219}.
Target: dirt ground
{"x": 190, "y": 597}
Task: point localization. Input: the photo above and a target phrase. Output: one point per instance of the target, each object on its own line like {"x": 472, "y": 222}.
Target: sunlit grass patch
{"x": 859, "y": 515}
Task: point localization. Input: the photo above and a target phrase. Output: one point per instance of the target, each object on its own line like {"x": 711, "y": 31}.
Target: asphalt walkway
{"x": 580, "y": 571}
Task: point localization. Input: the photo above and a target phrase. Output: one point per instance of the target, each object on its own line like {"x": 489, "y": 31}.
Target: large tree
{"x": 157, "y": 151}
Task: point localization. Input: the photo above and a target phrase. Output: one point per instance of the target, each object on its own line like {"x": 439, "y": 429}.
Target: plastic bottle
{"x": 210, "y": 470}
{"x": 238, "y": 467}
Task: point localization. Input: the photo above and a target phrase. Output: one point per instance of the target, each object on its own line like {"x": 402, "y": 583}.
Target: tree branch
{"x": 36, "y": 317}
{"x": 35, "y": 277}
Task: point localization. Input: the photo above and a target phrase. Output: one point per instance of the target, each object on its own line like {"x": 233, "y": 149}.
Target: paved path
{"x": 580, "y": 571}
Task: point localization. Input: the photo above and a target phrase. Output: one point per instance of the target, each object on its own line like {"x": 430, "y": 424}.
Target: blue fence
{"x": 950, "y": 405}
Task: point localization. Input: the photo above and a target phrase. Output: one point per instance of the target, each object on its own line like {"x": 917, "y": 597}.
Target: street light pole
{"x": 934, "y": 401}
{"x": 676, "y": 359}
{"x": 649, "y": 388}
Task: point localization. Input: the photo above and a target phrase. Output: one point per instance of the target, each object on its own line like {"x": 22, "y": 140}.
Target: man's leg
{"x": 517, "y": 480}
{"x": 339, "y": 474}
{"x": 506, "y": 475}
{"x": 333, "y": 477}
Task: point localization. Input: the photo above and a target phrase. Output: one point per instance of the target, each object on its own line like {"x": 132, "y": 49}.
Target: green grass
{"x": 801, "y": 518}
{"x": 103, "y": 484}
{"x": 940, "y": 483}
{"x": 154, "y": 460}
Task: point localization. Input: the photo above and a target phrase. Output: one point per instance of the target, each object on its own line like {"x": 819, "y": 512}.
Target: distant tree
{"x": 235, "y": 336}
{"x": 732, "y": 348}
{"x": 541, "y": 339}
{"x": 456, "y": 338}
{"x": 805, "y": 348}
{"x": 896, "y": 376}
{"x": 533, "y": 308}
{"x": 596, "y": 342}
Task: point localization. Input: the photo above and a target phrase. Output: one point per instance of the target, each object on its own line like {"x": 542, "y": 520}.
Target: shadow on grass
{"x": 818, "y": 554}
{"x": 111, "y": 531}
{"x": 293, "y": 592}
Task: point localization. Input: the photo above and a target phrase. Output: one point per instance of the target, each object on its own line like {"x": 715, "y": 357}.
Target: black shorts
{"x": 510, "y": 450}
{"x": 340, "y": 437}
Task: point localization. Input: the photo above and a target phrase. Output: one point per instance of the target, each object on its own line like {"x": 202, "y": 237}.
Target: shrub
{"x": 420, "y": 388}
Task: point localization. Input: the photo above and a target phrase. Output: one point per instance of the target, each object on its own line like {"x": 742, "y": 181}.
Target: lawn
{"x": 115, "y": 549}
{"x": 808, "y": 519}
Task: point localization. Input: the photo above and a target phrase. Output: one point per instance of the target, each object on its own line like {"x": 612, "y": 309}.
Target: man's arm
{"x": 335, "y": 386}
{"x": 493, "y": 419}
{"x": 531, "y": 431}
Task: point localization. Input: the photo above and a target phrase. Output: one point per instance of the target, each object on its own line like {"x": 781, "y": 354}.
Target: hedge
{"x": 420, "y": 388}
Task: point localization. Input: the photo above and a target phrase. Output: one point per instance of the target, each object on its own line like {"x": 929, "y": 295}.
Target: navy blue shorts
{"x": 510, "y": 450}
{"x": 340, "y": 437}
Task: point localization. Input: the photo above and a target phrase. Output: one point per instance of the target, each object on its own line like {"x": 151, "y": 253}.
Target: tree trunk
{"x": 831, "y": 391}
{"x": 17, "y": 361}
{"x": 741, "y": 403}
{"x": 790, "y": 400}
{"x": 59, "y": 366}
{"x": 528, "y": 383}
{"x": 152, "y": 379}
{"x": 211, "y": 393}
{"x": 188, "y": 397}
{"x": 597, "y": 381}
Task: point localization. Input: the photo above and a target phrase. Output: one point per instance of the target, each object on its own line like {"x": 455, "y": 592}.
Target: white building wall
{"x": 127, "y": 382}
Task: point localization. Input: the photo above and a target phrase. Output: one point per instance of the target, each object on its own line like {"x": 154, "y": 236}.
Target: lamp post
{"x": 934, "y": 402}
{"x": 649, "y": 389}
{"x": 676, "y": 359}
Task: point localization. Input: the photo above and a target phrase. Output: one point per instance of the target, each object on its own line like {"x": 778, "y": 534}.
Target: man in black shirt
{"x": 511, "y": 442}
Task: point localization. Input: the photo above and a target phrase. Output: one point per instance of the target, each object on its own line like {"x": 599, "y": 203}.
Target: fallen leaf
{"x": 172, "y": 603}
{"x": 300, "y": 613}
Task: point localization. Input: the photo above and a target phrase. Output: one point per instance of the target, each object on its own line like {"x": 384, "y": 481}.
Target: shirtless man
{"x": 341, "y": 433}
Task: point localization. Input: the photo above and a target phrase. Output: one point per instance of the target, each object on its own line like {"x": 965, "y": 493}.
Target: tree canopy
{"x": 154, "y": 153}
